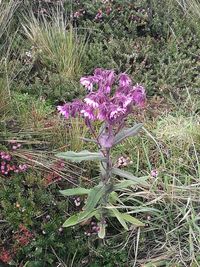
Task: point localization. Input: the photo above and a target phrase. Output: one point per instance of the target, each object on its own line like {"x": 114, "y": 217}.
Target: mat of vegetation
{"x": 46, "y": 48}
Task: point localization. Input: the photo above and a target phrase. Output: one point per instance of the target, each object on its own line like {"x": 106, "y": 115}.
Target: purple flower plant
{"x": 110, "y": 99}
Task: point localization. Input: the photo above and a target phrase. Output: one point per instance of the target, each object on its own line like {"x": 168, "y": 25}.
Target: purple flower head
{"x": 76, "y": 107}
{"x": 105, "y": 79}
{"x": 122, "y": 100}
{"x": 139, "y": 95}
{"x": 108, "y": 78}
{"x": 88, "y": 82}
{"x": 90, "y": 102}
{"x": 22, "y": 167}
{"x": 88, "y": 112}
{"x": 64, "y": 110}
{"x": 124, "y": 80}
{"x": 102, "y": 103}
{"x": 98, "y": 72}
{"x": 116, "y": 112}
{"x": 95, "y": 99}
{"x": 102, "y": 112}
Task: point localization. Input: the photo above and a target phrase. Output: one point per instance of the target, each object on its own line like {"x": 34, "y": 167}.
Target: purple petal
{"x": 88, "y": 113}
{"x": 139, "y": 95}
{"x": 124, "y": 80}
{"x": 87, "y": 82}
{"x": 64, "y": 110}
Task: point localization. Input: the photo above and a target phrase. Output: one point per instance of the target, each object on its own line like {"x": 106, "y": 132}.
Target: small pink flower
{"x": 154, "y": 173}
{"x": 22, "y": 167}
{"x": 99, "y": 15}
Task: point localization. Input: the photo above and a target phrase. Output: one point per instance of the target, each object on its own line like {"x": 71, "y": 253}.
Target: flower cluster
{"x": 78, "y": 13}
{"x": 101, "y": 103}
{"x": 23, "y": 236}
{"x": 5, "y": 255}
{"x": 77, "y": 201}
{"x": 123, "y": 162}
{"x": 93, "y": 229}
{"x": 51, "y": 178}
{"x": 7, "y": 167}
{"x": 16, "y": 146}
{"x": 138, "y": 15}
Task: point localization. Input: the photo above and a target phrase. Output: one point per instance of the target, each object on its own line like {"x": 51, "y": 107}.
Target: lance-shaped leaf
{"x": 71, "y": 221}
{"x": 78, "y": 218}
{"x": 113, "y": 198}
{"x": 125, "y": 217}
{"x": 124, "y": 184}
{"x": 94, "y": 196}
{"x": 80, "y": 156}
{"x": 120, "y": 218}
{"x": 75, "y": 191}
{"x": 88, "y": 140}
{"x": 132, "y": 220}
{"x": 129, "y": 176}
{"x": 124, "y": 133}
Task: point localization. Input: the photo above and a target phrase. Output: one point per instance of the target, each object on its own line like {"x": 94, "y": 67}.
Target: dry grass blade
{"x": 41, "y": 160}
{"x": 6, "y": 13}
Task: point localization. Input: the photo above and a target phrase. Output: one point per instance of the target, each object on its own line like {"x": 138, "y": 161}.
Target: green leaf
{"x": 132, "y": 219}
{"x": 124, "y": 184}
{"x": 80, "y": 156}
{"x": 113, "y": 198}
{"x": 120, "y": 218}
{"x": 85, "y": 215}
{"x": 125, "y": 217}
{"x": 75, "y": 191}
{"x": 124, "y": 133}
{"x": 129, "y": 176}
{"x": 102, "y": 231}
{"x": 77, "y": 218}
{"x": 94, "y": 196}
{"x": 88, "y": 140}
{"x": 71, "y": 221}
